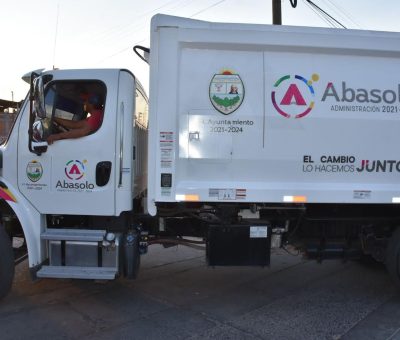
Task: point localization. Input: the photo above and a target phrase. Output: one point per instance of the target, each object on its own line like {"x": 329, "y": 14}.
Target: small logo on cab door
{"x": 75, "y": 169}
{"x": 34, "y": 171}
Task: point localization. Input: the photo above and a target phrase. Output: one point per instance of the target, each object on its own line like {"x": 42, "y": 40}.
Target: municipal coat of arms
{"x": 226, "y": 92}
{"x": 34, "y": 171}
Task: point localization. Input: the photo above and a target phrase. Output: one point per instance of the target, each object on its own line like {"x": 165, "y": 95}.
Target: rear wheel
{"x": 6, "y": 263}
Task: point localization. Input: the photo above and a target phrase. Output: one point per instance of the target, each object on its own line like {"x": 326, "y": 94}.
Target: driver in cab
{"x": 93, "y": 105}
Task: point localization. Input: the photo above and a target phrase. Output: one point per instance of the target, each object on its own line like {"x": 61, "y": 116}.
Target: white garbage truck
{"x": 256, "y": 137}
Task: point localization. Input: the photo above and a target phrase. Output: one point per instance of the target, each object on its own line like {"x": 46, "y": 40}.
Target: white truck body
{"x": 257, "y": 137}
{"x": 317, "y": 118}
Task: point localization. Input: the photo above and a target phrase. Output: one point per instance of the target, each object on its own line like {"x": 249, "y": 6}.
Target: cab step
{"x": 73, "y": 235}
{"x": 72, "y": 272}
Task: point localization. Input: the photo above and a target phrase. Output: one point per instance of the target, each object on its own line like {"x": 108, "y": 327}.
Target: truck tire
{"x": 392, "y": 259}
{"x": 6, "y": 263}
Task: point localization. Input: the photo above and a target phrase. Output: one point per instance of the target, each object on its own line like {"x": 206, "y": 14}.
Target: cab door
{"x": 74, "y": 176}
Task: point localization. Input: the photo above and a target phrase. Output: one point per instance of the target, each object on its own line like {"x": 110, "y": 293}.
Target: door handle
{"x": 121, "y": 145}
{"x": 103, "y": 172}
{"x": 194, "y": 135}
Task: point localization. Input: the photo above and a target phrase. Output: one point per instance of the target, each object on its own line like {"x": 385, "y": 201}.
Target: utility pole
{"x": 276, "y": 12}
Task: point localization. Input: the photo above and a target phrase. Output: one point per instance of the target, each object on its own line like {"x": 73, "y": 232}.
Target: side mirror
{"x": 36, "y": 99}
{"x": 38, "y": 131}
{"x": 40, "y": 148}
{"x": 38, "y": 96}
{"x": 41, "y": 130}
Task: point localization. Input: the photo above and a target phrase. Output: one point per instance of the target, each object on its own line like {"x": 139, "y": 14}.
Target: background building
{"x": 8, "y": 112}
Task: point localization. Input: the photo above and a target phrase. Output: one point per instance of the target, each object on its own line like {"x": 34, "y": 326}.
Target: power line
{"x": 325, "y": 13}
{"x": 343, "y": 13}
{"x": 182, "y": 4}
{"x": 120, "y": 51}
{"x": 323, "y": 18}
{"x": 207, "y": 8}
{"x": 125, "y": 28}
{"x": 141, "y": 41}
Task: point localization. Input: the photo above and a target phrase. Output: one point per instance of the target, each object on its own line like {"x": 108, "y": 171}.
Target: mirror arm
{"x": 30, "y": 129}
{"x": 31, "y": 116}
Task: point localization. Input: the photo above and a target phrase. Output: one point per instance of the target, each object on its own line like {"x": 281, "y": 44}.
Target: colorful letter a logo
{"x": 293, "y": 92}
{"x": 75, "y": 169}
{"x": 295, "y": 100}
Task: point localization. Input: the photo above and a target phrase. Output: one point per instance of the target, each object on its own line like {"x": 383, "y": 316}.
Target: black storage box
{"x": 239, "y": 245}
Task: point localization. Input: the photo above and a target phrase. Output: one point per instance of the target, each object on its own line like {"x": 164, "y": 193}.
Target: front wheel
{"x": 392, "y": 259}
{"x": 6, "y": 263}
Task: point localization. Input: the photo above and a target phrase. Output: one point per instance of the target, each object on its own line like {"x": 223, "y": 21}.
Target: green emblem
{"x": 226, "y": 92}
{"x": 34, "y": 171}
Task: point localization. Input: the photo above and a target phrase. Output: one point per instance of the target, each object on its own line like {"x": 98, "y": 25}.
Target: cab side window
{"x": 67, "y": 100}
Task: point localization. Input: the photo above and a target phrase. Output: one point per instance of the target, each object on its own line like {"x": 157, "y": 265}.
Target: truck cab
{"x": 91, "y": 175}
{"x": 91, "y": 180}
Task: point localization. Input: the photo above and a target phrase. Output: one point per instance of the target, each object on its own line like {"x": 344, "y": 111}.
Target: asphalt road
{"x": 178, "y": 297}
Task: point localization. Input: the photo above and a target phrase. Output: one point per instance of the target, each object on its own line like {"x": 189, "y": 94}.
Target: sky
{"x": 101, "y": 33}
